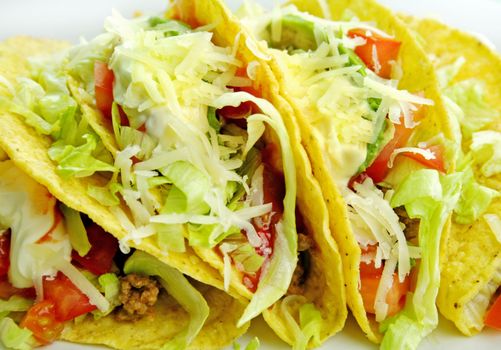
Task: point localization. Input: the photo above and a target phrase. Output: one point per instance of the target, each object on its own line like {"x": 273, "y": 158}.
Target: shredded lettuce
{"x": 179, "y": 288}
{"x": 15, "y": 304}
{"x": 431, "y": 197}
{"x": 486, "y": 150}
{"x": 475, "y": 199}
{"x": 76, "y": 230}
{"x": 191, "y": 185}
{"x": 78, "y": 161}
{"x": 251, "y": 345}
{"x": 171, "y": 237}
{"x": 307, "y": 331}
{"x": 110, "y": 285}
{"x": 81, "y": 58}
{"x": 14, "y": 337}
{"x": 276, "y": 277}
{"x": 105, "y": 195}
{"x": 467, "y": 97}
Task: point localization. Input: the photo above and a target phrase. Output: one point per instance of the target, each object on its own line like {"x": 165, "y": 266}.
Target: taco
{"x": 167, "y": 133}
{"x": 63, "y": 277}
{"x": 381, "y": 144}
{"x": 470, "y": 76}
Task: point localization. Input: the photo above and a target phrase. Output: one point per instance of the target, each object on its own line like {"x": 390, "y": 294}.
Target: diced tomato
{"x": 493, "y": 317}
{"x": 124, "y": 120}
{"x": 4, "y": 253}
{"x": 360, "y": 178}
{"x": 7, "y": 290}
{"x": 103, "y": 248}
{"x": 378, "y": 52}
{"x": 69, "y": 301}
{"x": 242, "y": 111}
{"x": 370, "y": 277}
{"x": 41, "y": 320}
{"x": 248, "y": 89}
{"x": 103, "y": 85}
{"x": 273, "y": 192}
{"x": 378, "y": 170}
{"x": 436, "y": 163}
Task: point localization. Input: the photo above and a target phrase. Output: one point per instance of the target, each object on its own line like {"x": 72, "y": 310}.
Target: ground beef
{"x": 299, "y": 277}
{"x": 411, "y": 225}
{"x": 304, "y": 242}
{"x": 137, "y": 295}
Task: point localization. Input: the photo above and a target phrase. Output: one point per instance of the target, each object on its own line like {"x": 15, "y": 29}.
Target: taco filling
{"x": 344, "y": 77}
{"x": 57, "y": 266}
{"x": 189, "y": 150}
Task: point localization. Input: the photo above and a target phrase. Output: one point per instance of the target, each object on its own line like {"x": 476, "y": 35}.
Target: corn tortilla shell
{"x": 418, "y": 76}
{"x": 473, "y": 252}
{"x": 28, "y": 150}
{"x": 167, "y": 320}
{"x": 324, "y": 285}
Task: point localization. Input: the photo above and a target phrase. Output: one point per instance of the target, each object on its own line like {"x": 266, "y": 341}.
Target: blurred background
{"x": 69, "y": 19}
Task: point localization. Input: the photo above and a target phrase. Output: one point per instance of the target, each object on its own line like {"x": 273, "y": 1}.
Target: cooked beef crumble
{"x": 137, "y": 295}
{"x": 297, "y": 284}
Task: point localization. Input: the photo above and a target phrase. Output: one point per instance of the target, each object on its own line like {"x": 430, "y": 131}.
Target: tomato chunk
{"x": 103, "y": 86}
{"x": 4, "y": 253}
{"x": 493, "y": 317}
{"x": 437, "y": 163}
{"x": 370, "y": 276}
{"x": 41, "y": 321}
{"x": 273, "y": 192}
{"x": 378, "y": 52}
{"x": 242, "y": 111}
{"x": 99, "y": 259}
{"x": 378, "y": 170}
{"x": 7, "y": 290}
{"x": 69, "y": 301}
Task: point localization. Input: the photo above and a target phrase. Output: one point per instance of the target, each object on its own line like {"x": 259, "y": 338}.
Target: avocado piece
{"x": 297, "y": 33}
{"x": 385, "y": 134}
{"x": 353, "y": 60}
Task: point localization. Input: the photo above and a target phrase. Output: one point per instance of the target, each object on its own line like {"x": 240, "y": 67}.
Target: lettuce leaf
{"x": 110, "y": 285}
{"x": 15, "y": 304}
{"x": 78, "y": 161}
{"x": 431, "y": 197}
{"x": 486, "y": 150}
{"x": 14, "y": 337}
{"x": 179, "y": 288}
{"x": 76, "y": 230}
{"x": 475, "y": 199}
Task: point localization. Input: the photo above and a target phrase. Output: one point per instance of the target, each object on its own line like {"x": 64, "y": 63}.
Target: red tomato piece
{"x": 69, "y": 301}
{"x": 274, "y": 193}
{"x": 103, "y": 86}
{"x": 41, "y": 320}
{"x": 378, "y": 170}
{"x": 493, "y": 317}
{"x": 378, "y": 52}
{"x": 370, "y": 277}
{"x": 274, "y": 190}
{"x": 242, "y": 111}
{"x": 437, "y": 163}
{"x": 7, "y": 290}
{"x": 4, "y": 253}
{"x": 103, "y": 248}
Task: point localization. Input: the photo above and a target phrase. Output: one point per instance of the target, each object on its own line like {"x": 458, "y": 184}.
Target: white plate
{"x": 62, "y": 19}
